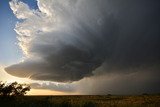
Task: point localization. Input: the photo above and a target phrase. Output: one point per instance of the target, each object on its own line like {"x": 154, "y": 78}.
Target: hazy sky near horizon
{"x": 81, "y": 46}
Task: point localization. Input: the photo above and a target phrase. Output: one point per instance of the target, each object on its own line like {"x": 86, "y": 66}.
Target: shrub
{"x": 13, "y": 89}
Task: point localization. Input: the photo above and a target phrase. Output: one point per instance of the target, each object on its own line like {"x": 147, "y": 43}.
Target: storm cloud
{"x": 70, "y": 88}
{"x": 68, "y": 40}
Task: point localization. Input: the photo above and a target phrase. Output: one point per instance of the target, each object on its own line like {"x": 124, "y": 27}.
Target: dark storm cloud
{"x": 96, "y": 36}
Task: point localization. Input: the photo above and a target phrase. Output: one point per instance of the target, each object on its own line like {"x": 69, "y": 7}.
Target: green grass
{"x": 81, "y": 101}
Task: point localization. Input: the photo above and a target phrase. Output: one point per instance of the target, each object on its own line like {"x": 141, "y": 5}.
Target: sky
{"x": 81, "y": 46}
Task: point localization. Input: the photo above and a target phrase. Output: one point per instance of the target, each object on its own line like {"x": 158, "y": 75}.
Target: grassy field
{"x": 81, "y": 101}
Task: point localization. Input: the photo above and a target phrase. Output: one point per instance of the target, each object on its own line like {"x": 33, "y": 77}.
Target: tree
{"x": 13, "y": 89}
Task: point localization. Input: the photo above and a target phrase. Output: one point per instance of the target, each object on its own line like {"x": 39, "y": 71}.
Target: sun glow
{"x": 45, "y": 92}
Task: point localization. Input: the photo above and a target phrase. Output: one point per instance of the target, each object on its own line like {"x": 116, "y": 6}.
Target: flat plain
{"x": 82, "y": 101}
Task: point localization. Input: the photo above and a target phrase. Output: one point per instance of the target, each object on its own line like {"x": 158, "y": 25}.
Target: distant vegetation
{"x": 13, "y": 89}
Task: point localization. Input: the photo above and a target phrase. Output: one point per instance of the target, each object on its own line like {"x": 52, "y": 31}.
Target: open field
{"x": 82, "y": 101}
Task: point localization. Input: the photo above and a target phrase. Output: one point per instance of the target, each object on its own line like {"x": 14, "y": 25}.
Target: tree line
{"x": 13, "y": 89}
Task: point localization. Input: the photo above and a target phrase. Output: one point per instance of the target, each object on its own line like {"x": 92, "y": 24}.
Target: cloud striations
{"x": 67, "y": 40}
